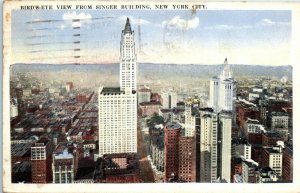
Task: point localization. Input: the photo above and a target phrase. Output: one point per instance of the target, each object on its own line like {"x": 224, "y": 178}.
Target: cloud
{"x": 77, "y": 19}
{"x": 262, "y": 23}
{"x": 227, "y": 27}
{"x": 181, "y": 24}
{"x": 268, "y": 22}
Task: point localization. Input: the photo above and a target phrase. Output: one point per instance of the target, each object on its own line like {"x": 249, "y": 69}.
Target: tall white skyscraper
{"x": 189, "y": 121}
{"x": 169, "y": 99}
{"x": 223, "y": 90}
{"x": 128, "y": 68}
{"x": 117, "y": 106}
{"x": 208, "y": 145}
{"x": 190, "y": 116}
{"x": 224, "y": 145}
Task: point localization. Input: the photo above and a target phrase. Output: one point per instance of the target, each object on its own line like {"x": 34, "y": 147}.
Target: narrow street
{"x": 146, "y": 172}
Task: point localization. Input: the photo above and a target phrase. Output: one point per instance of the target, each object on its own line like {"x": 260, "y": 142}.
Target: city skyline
{"x": 151, "y": 124}
{"x": 180, "y": 37}
{"x": 246, "y": 136}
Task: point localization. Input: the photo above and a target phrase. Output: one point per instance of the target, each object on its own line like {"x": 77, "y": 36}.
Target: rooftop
{"x": 280, "y": 114}
{"x": 173, "y": 126}
{"x": 150, "y": 103}
{"x": 107, "y": 166}
{"x": 265, "y": 172}
{"x": 157, "y": 140}
{"x": 20, "y": 150}
{"x": 42, "y": 142}
{"x": 112, "y": 91}
{"x": 253, "y": 121}
{"x": 22, "y": 166}
{"x": 63, "y": 155}
{"x": 144, "y": 90}
{"x": 272, "y": 150}
{"x": 86, "y": 168}
{"x": 207, "y": 109}
{"x": 226, "y": 113}
{"x": 250, "y": 163}
{"x": 272, "y": 134}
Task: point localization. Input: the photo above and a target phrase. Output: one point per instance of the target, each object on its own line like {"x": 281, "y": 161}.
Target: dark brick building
{"x": 171, "y": 142}
{"x": 187, "y": 158}
{"x": 270, "y": 139}
{"x": 41, "y": 161}
{"x": 287, "y": 164}
{"x": 244, "y": 111}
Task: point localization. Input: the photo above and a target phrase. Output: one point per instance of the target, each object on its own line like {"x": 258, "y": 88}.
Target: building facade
{"x": 65, "y": 163}
{"x": 223, "y": 90}
{"x": 149, "y": 108}
{"x": 187, "y": 159}
{"x": 128, "y": 67}
{"x": 279, "y": 120}
{"x": 208, "y": 145}
{"x": 157, "y": 148}
{"x": 244, "y": 150}
{"x": 63, "y": 168}
{"x": 266, "y": 175}
{"x": 41, "y": 161}
{"x": 171, "y": 146}
{"x": 117, "y": 106}
{"x": 287, "y": 164}
{"x": 249, "y": 171}
{"x": 143, "y": 95}
{"x": 224, "y": 145}
{"x": 189, "y": 120}
{"x": 169, "y": 99}
{"x": 272, "y": 157}
{"x": 117, "y": 121}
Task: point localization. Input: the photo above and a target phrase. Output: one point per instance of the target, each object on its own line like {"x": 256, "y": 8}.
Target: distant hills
{"x": 162, "y": 70}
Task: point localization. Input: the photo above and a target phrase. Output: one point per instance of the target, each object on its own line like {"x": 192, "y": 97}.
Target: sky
{"x": 171, "y": 36}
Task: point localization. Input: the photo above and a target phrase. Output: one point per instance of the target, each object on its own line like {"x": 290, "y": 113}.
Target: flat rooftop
{"x": 173, "y": 126}
{"x": 112, "y": 91}
{"x": 41, "y": 142}
{"x": 20, "y": 150}
{"x": 280, "y": 114}
{"x": 271, "y": 150}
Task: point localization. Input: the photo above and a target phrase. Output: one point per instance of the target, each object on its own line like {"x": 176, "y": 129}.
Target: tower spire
{"x": 127, "y": 59}
{"x": 225, "y": 62}
{"x": 127, "y": 28}
{"x": 226, "y": 73}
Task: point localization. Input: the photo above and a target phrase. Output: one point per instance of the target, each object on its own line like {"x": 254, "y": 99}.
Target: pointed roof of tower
{"x": 127, "y": 28}
{"x": 226, "y": 73}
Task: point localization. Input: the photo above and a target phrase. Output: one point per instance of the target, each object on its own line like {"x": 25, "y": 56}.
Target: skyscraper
{"x": 208, "y": 145}
{"x": 191, "y": 110}
{"x": 117, "y": 105}
{"x": 41, "y": 159}
{"x": 171, "y": 142}
{"x": 187, "y": 159}
{"x": 222, "y": 96}
{"x": 169, "y": 99}
{"x": 224, "y": 145}
{"x": 223, "y": 90}
{"x": 128, "y": 66}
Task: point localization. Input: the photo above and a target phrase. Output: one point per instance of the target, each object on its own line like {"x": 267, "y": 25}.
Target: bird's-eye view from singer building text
{"x": 160, "y": 96}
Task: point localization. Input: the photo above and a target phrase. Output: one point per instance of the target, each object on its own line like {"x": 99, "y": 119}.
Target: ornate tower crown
{"x": 226, "y": 73}
{"x": 127, "y": 28}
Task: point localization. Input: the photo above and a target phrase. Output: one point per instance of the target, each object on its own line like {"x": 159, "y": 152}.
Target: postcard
{"x": 169, "y": 96}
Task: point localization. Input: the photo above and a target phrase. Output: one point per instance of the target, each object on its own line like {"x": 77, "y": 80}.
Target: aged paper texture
{"x": 146, "y": 96}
